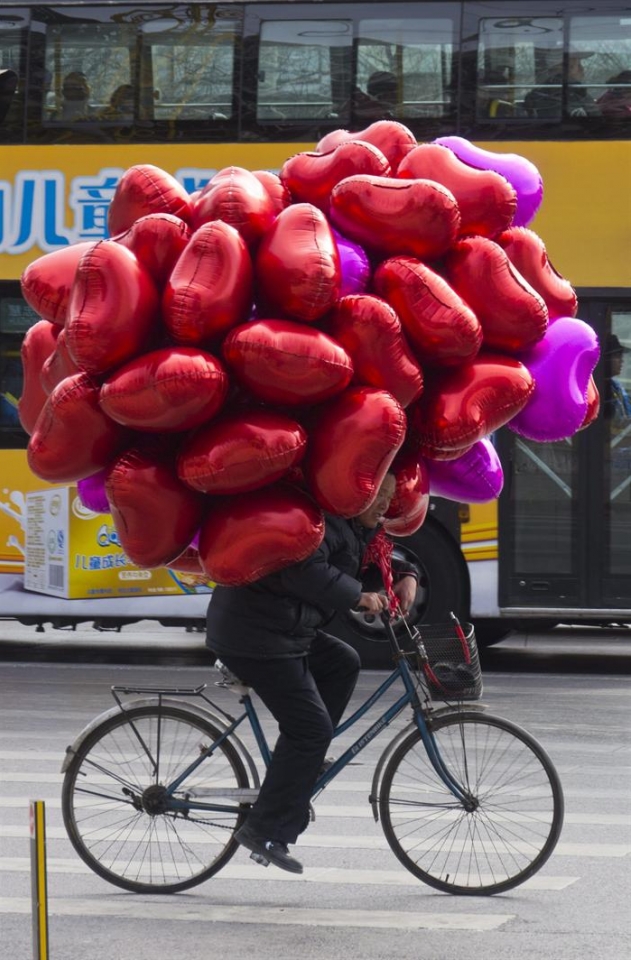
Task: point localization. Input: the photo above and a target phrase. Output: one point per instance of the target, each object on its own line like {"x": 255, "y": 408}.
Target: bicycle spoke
{"x": 136, "y": 841}
{"x": 501, "y": 835}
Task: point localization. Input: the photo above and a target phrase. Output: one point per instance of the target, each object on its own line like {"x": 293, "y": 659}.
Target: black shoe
{"x": 267, "y": 851}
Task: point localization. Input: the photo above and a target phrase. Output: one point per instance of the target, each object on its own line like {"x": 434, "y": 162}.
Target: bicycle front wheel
{"x": 505, "y": 831}
{"x": 116, "y": 809}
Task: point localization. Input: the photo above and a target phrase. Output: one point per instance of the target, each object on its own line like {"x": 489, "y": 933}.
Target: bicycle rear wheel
{"x": 502, "y": 836}
{"x": 115, "y": 808}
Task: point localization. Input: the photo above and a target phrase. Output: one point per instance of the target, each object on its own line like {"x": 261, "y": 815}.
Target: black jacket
{"x": 278, "y": 615}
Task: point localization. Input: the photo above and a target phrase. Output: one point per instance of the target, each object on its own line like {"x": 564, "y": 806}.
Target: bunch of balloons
{"x": 232, "y": 363}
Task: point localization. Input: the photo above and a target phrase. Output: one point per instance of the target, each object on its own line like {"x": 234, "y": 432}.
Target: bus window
{"x": 550, "y": 68}
{"x": 405, "y": 65}
{"x": 107, "y": 67}
{"x": 8, "y": 85}
{"x": 85, "y": 62}
{"x": 617, "y": 413}
{"x": 15, "y": 319}
{"x": 304, "y": 70}
{"x": 193, "y": 62}
{"x": 12, "y": 49}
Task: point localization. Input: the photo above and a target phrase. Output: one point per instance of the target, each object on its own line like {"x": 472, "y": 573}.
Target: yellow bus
{"x": 88, "y": 89}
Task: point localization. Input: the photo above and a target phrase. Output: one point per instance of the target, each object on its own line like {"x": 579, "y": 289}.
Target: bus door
{"x": 565, "y": 512}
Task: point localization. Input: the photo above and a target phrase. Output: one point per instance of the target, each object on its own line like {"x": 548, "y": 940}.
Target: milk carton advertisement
{"x": 74, "y": 553}
{"x": 59, "y": 559}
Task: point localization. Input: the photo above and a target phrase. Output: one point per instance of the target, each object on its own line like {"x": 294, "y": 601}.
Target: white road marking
{"x": 322, "y": 811}
{"x": 204, "y": 912}
{"x": 389, "y": 878}
{"x": 345, "y": 842}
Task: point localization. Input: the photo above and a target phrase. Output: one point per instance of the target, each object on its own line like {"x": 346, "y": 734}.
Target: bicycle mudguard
{"x": 392, "y": 746}
{"x": 200, "y": 712}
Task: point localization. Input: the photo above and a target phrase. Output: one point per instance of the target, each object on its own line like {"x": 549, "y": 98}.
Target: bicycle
{"x": 470, "y": 803}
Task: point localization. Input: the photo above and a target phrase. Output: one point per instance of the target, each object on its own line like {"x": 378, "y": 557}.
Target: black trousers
{"x": 307, "y": 696}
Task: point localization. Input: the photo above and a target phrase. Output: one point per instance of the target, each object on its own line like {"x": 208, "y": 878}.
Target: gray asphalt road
{"x": 354, "y": 901}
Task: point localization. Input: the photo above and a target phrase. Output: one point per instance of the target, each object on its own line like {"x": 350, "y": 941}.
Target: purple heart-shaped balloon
{"x": 561, "y": 364}
{"x": 475, "y": 477}
{"x": 520, "y": 173}
{"x": 91, "y": 492}
{"x": 355, "y": 265}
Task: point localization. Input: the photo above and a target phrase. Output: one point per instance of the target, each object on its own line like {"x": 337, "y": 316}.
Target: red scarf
{"x": 379, "y": 552}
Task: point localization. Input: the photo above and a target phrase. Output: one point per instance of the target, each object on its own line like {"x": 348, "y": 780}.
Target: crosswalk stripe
{"x": 186, "y": 911}
{"x": 342, "y": 784}
{"x": 377, "y": 842}
{"x": 325, "y": 812}
{"x": 337, "y": 875}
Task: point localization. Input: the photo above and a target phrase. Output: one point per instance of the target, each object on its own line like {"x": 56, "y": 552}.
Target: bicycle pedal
{"x": 259, "y": 858}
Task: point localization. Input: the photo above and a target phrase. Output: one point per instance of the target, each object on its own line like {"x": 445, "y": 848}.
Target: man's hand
{"x": 405, "y": 591}
{"x": 372, "y": 602}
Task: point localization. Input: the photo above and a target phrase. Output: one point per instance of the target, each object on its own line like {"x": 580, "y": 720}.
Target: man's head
{"x": 383, "y": 86}
{"x": 614, "y": 354}
{"x": 574, "y": 60}
{"x": 374, "y": 514}
{"x": 75, "y": 87}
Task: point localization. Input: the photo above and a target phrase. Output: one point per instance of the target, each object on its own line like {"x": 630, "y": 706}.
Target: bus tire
{"x": 443, "y": 588}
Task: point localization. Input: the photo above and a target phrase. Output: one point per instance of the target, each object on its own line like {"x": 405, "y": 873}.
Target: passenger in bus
{"x": 380, "y": 100}
{"x": 494, "y": 91}
{"x": 616, "y": 102}
{"x": 618, "y": 401}
{"x": 121, "y": 105}
{"x": 75, "y": 92}
{"x": 545, "y": 102}
{"x": 8, "y": 86}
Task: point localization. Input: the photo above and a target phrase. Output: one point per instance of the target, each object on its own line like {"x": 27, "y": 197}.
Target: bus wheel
{"x": 443, "y": 587}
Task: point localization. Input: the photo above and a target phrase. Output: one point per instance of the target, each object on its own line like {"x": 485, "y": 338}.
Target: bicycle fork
{"x": 460, "y": 791}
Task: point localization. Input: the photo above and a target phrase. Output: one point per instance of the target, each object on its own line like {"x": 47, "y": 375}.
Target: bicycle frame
{"x": 410, "y": 696}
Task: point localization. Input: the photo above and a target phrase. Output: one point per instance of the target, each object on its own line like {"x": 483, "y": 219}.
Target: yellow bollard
{"x": 39, "y": 886}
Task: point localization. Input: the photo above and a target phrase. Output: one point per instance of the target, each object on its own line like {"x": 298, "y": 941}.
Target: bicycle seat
{"x": 229, "y": 681}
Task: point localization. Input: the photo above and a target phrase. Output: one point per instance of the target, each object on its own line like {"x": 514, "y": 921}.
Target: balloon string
{"x": 379, "y": 553}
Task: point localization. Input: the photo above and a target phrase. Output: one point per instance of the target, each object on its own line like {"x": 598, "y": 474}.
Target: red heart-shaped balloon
{"x": 237, "y": 197}
{"x": 440, "y": 326}
{"x": 73, "y": 438}
{"x": 145, "y": 189}
{"x": 298, "y": 268}
{"x": 37, "y": 346}
{"x": 593, "y": 403}
{"x": 310, "y": 177}
{"x": 241, "y": 452}
{"x": 157, "y": 240}
{"x": 393, "y": 216}
{"x": 486, "y": 200}
{"x": 370, "y": 332}
{"x": 172, "y": 389}
{"x": 210, "y": 288}
{"x": 283, "y": 362}
{"x": 461, "y": 406}
{"x": 409, "y": 506}
{"x": 512, "y": 314}
{"x": 46, "y": 283}
{"x": 113, "y": 308}
{"x": 528, "y": 253}
{"x": 155, "y": 514}
{"x": 352, "y": 443}
{"x": 249, "y": 535}
{"x": 276, "y": 189}
{"x": 58, "y": 365}
{"x": 392, "y": 138}
{"x": 188, "y": 562}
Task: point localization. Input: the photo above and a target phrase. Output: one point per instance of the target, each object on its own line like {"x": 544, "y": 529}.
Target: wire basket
{"x": 447, "y": 653}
